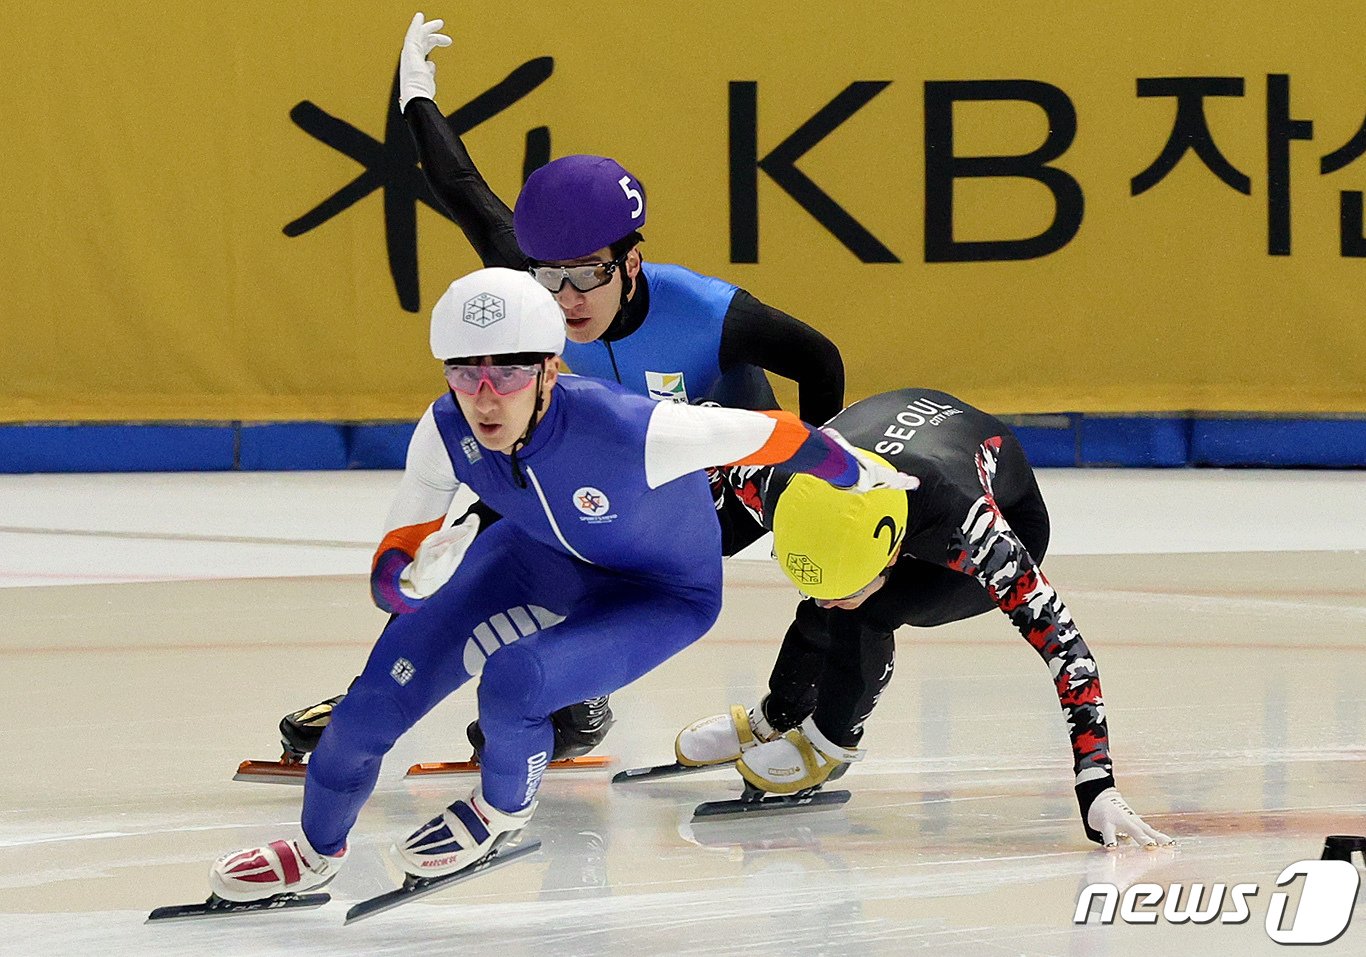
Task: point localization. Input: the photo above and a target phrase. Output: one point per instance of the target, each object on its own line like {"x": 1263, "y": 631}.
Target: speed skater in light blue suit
{"x": 607, "y": 522}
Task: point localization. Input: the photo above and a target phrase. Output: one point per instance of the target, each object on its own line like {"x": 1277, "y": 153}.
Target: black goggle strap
{"x": 530, "y": 426}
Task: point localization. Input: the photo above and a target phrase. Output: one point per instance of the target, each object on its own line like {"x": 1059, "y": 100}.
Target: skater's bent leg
{"x": 1029, "y": 518}
{"x": 612, "y": 638}
{"x": 797, "y": 671}
{"x": 518, "y": 740}
{"x": 409, "y": 671}
{"x": 343, "y": 769}
{"x": 857, "y": 671}
{"x": 420, "y": 658}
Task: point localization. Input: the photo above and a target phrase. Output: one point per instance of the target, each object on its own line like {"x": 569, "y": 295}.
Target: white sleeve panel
{"x": 683, "y": 438}
{"x": 429, "y": 483}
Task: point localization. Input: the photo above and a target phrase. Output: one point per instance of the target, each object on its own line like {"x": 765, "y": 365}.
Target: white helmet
{"x": 494, "y": 312}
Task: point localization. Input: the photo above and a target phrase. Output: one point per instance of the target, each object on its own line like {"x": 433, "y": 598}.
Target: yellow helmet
{"x": 832, "y": 543}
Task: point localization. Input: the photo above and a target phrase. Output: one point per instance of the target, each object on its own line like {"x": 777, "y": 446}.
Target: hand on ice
{"x": 1113, "y": 818}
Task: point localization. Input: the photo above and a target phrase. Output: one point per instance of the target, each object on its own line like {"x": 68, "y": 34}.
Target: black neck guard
{"x": 631, "y": 315}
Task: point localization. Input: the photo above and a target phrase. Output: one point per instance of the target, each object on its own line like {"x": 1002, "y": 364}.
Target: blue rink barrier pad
{"x": 1051, "y": 441}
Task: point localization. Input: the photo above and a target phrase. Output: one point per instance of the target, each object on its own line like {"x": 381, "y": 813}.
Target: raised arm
{"x": 455, "y": 182}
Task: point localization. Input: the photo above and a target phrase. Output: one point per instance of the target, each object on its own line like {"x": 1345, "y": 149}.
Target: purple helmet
{"x": 576, "y": 205}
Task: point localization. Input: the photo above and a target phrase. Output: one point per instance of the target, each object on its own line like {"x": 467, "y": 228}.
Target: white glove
{"x": 1114, "y": 819}
{"x": 437, "y": 558}
{"x": 872, "y": 475}
{"x": 417, "y": 74}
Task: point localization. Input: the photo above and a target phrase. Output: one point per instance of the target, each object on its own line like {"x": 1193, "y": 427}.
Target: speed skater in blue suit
{"x": 608, "y": 521}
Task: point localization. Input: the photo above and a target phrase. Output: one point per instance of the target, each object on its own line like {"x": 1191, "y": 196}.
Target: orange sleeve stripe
{"x": 788, "y": 435}
{"x": 406, "y": 539}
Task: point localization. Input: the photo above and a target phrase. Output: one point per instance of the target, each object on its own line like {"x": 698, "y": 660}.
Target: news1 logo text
{"x": 1327, "y": 898}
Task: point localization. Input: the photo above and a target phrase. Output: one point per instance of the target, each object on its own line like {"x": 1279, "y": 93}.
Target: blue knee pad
{"x": 519, "y": 738}
{"x": 510, "y": 683}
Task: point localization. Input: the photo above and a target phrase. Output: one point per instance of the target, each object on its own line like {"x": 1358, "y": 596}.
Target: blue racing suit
{"x": 608, "y": 526}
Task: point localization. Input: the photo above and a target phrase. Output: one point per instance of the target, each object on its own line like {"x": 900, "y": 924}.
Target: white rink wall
{"x": 108, "y": 528}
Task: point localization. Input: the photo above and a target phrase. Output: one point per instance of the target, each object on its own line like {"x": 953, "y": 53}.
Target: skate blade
{"x": 773, "y": 803}
{"x": 661, "y": 771}
{"x": 585, "y": 763}
{"x": 216, "y": 906}
{"x": 272, "y": 772}
{"x": 414, "y": 887}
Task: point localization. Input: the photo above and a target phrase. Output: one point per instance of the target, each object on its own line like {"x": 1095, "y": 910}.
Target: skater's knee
{"x": 706, "y": 609}
{"x": 688, "y": 620}
{"x": 512, "y": 678}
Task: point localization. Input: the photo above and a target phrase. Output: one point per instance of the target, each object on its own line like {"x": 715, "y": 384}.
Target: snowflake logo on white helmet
{"x": 484, "y": 310}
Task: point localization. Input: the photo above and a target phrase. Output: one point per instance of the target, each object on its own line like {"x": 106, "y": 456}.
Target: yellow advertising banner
{"x": 214, "y": 213}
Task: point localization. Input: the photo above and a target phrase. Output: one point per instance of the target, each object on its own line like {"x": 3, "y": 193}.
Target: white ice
{"x": 155, "y": 627}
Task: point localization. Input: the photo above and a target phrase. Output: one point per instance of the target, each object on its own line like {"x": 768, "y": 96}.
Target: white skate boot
{"x": 280, "y": 867}
{"x": 802, "y": 758}
{"x": 722, "y": 738}
{"x": 461, "y": 835}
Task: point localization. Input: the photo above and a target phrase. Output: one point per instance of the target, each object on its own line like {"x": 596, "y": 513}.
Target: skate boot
{"x": 461, "y": 835}
{"x": 300, "y": 730}
{"x": 722, "y": 738}
{"x": 579, "y": 728}
{"x": 280, "y": 867}
{"x": 800, "y": 760}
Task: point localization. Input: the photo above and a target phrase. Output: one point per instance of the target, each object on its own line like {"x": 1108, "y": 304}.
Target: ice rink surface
{"x": 154, "y": 628}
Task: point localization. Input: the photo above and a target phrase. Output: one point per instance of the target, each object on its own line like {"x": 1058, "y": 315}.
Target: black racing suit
{"x": 977, "y": 529}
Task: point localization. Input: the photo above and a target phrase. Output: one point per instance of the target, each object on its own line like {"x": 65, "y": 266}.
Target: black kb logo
{"x": 392, "y": 166}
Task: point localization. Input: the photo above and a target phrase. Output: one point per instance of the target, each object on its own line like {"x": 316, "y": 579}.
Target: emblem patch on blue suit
{"x": 666, "y": 386}
{"x": 594, "y": 505}
{"x": 591, "y": 501}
